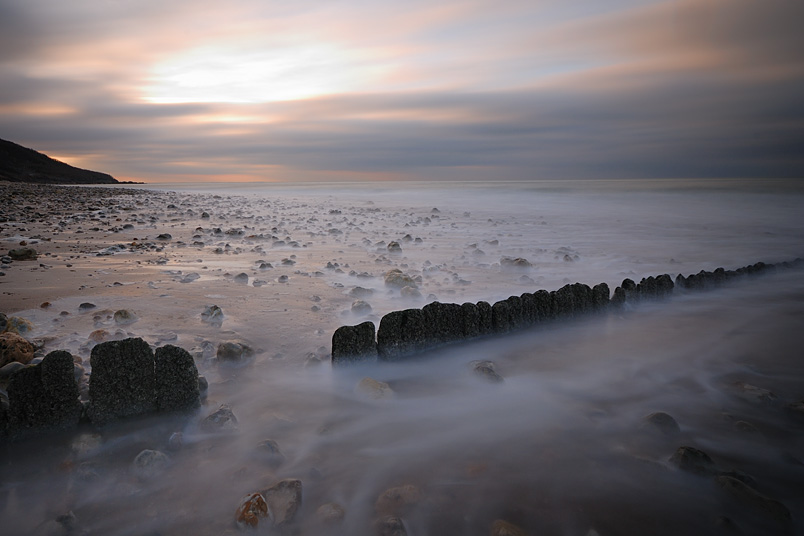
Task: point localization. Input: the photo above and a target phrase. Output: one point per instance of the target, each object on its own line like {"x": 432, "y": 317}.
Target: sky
{"x": 257, "y": 90}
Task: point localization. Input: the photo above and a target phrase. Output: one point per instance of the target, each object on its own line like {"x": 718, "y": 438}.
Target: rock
{"x": 359, "y": 307}
{"x": 14, "y": 347}
{"x": 234, "y": 351}
{"x": 394, "y": 247}
{"x": 504, "y": 528}
{"x": 251, "y": 510}
{"x": 371, "y": 388}
{"x": 268, "y": 451}
{"x": 150, "y": 464}
{"x": 241, "y": 278}
{"x": 694, "y": 461}
{"x": 445, "y": 321}
{"x": 390, "y": 526}
{"x": 164, "y": 237}
{"x": 86, "y": 306}
{"x": 99, "y": 335}
{"x": 330, "y": 513}
{"x": 752, "y": 498}
{"x": 754, "y": 394}
{"x": 221, "y": 420}
{"x": 189, "y": 278}
{"x": 410, "y": 293}
{"x": 485, "y": 369}
{"x": 177, "y": 387}
{"x": 398, "y": 500}
{"x": 3, "y": 322}
{"x": 124, "y": 317}
{"x": 122, "y": 382}
{"x": 397, "y": 279}
{"x": 213, "y": 315}
{"x": 22, "y": 254}
{"x": 176, "y": 441}
{"x": 283, "y": 500}
{"x": 8, "y": 370}
{"x": 18, "y": 325}
{"x": 360, "y": 292}
{"x": 44, "y": 397}
{"x": 354, "y": 343}
{"x": 662, "y": 422}
{"x": 515, "y": 263}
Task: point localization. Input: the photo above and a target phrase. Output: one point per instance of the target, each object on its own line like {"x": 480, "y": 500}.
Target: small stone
{"x": 22, "y": 254}
{"x": 504, "y": 528}
{"x": 371, "y": 388}
{"x": 515, "y": 263}
{"x": 745, "y": 494}
{"x": 176, "y": 441}
{"x": 397, "y": 279}
{"x": 241, "y": 278}
{"x": 360, "y": 292}
{"x": 694, "y": 461}
{"x": 359, "y": 307}
{"x": 9, "y": 369}
{"x": 755, "y": 394}
{"x": 86, "y": 306}
{"x": 99, "y": 335}
{"x": 390, "y": 526}
{"x": 221, "y": 420}
{"x": 330, "y": 513}
{"x": 124, "y": 317}
{"x": 164, "y": 237}
{"x": 394, "y": 247}
{"x": 234, "y": 351}
{"x": 150, "y": 463}
{"x": 410, "y": 292}
{"x": 212, "y": 315}
{"x": 398, "y": 500}
{"x": 662, "y": 422}
{"x": 268, "y": 450}
{"x": 251, "y": 510}
{"x": 485, "y": 369}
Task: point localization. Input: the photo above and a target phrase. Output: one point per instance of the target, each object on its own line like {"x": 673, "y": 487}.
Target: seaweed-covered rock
{"x": 44, "y": 396}
{"x": 600, "y": 296}
{"x": 122, "y": 382}
{"x": 176, "y": 379}
{"x": 445, "y": 322}
{"x": 485, "y": 317}
{"x": 354, "y": 343}
{"x": 401, "y": 333}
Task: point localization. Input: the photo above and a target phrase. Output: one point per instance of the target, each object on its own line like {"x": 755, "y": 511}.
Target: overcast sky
{"x": 165, "y": 91}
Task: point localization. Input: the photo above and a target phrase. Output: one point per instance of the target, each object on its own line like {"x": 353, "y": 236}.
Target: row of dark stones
{"x": 127, "y": 379}
{"x": 411, "y": 331}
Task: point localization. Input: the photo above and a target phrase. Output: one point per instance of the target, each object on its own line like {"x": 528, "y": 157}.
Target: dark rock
{"x": 164, "y": 237}
{"x": 234, "y": 351}
{"x": 360, "y": 307}
{"x": 401, "y": 333}
{"x": 122, "y": 381}
{"x": 3, "y": 322}
{"x": 212, "y": 315}
{"x": 470, "y": 320}
{"x": 662, "y": 422}
{"x": 354, "y": 343}
{"x": 389, "y": 526}
{"x": 268, "y": 451}
{"x": 124, "y": 317}
{"x": 241, "y": 278}
{"x": 753, "y": 499}
{"x": 22, "y": 254}
{"x": 485, "y": 318}
{"x": 600, "y": 296}
{"x": 694, "y": 461}
{"x": 486, "y": 370}
{"x": 44, "y": 397}
{"x": 398, "y": 500}
{"x": 177, "y": 387}
{"x": 501, "y": 317}
{"x": 222, "y": 420}
{"x": 86, "y": 306}
{"x": 504, "y": 528}
{"x": 150, "y": 464}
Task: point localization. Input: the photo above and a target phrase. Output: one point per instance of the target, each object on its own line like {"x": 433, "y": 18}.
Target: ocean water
{"x": 559, "y": 447}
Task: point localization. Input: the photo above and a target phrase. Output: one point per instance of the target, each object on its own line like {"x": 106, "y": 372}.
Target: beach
{"x": 564, "y": 444}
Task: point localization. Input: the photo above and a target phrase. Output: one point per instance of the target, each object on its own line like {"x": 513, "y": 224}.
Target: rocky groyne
{"x": 411, "y": 331}
{"x": 128, "y": 379}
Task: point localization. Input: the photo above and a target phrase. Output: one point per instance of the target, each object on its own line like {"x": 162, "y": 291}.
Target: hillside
{"x": 20, "y": 164}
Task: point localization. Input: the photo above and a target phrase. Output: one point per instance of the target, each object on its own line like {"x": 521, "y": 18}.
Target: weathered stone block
{"x": 176, "y": 379}
{"x": 401, "y": 333}
{"x": 122, "y": 382}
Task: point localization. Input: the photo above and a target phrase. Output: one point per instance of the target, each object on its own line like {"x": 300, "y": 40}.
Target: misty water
{"x": 559, "y": 447}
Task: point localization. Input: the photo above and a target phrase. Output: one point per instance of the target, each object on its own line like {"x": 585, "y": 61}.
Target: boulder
{"x": 753, "y": 499}
{"x": 515, "y": 263}
{"x": 330, "y": 513}
{"x": 212, "y": 315}
{"x": 397, "y": 279}
{"x": 694, "y": 461}
{"x": 150, "y": 464}
{"x": 354, "y": 343}
{"x": 124, "y": 317}
{"x": 251, "y": 511}
{"x": 445, "y": 322}
{"x": 390, "y": 526}
{"x": 360, "y": 307}
{"x": 241, "y": 278}
{"x": 44, "y": 397}
{"x": 177, "y": 387}
{"x": 662, "y": 422}
{"x": 268, "y": 451}
{"x": 14, "y": 347}
{"x": 122, "y": 382}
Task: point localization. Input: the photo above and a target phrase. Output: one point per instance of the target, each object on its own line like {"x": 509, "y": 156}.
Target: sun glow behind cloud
{"x": 235, "y": 74}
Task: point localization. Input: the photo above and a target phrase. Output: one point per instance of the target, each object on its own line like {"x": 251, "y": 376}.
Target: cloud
{"x": 527, "y": 90}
